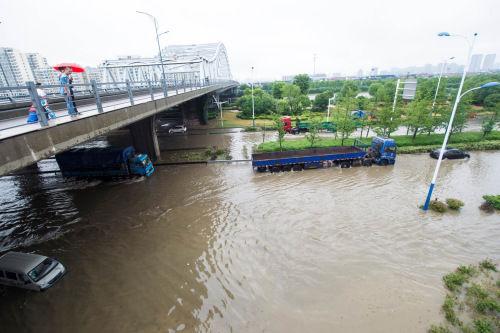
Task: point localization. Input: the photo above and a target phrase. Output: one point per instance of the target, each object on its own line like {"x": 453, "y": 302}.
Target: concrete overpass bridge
{"x": 110, "y": 104}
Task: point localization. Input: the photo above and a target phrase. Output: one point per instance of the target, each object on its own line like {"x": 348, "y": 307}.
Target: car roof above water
{"x": 20, "y": 262}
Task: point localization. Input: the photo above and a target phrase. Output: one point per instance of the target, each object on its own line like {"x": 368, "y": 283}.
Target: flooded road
{"x": 220, "y": 248}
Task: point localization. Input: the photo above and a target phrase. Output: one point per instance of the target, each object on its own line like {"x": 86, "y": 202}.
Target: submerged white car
{"x": 29, "y": 271}
{"x": 178, "y": 129}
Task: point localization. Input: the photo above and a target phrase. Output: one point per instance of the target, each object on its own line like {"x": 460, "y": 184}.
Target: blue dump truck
{"x": 382, "y": 151}
{"x": 104, "y": 162}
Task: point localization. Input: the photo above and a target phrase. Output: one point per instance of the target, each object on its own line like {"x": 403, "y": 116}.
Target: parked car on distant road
{"x": 29, "y": 271}
{"x": 178, "y": 129}
{"x": 450, "y": 153}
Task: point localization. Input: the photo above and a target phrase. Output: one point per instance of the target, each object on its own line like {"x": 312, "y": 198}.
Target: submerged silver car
{"x": 29, "y": 271}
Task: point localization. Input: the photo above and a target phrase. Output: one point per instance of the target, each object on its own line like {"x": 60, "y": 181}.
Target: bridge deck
{"x": 16, "y": 126}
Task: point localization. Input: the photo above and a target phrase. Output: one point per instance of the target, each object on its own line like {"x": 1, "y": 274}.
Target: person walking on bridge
{"x": 72, "y": 93}
{"x": 64, "y": 80}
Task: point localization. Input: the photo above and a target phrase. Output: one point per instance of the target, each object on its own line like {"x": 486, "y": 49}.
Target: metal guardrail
{"x": 93, "y": 90}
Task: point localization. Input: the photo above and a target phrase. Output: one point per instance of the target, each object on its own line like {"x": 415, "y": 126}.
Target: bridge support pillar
{"x": 144, "y": 138}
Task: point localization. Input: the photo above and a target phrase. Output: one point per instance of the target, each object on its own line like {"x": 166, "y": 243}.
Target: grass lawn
{"x": 466, "y": 140}
{"x": 230, "y": 120}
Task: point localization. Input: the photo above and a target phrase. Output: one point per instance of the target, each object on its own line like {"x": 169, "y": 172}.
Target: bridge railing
{"x": 93, "y": 97}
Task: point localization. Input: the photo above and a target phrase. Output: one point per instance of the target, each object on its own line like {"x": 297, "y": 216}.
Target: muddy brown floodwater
{"x": 220, "y": 248}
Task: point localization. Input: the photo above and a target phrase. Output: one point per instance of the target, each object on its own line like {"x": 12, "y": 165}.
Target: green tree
{"x": 277, "y": 89}
{"x": 418, "y": 115}
{"x": 295, "y": 101}
{"x": 461, "y": 116}
{"x": 372, "y": 90}
{"x": 382, "y": 95}
{"x": 313, "y": 135}
{"x": 264, "y": 103}
{"x": 349, "y": 90}
{"x": 488, "y": 126}
{"x": 278, "y": 123}
{"x": 492, "y": 101}
{"x": 343, "y": 119}
{"x": 321, "y": 101}
{"x": 386, "y": 121}
{"x": 366, "y": 105}
{"x": 303, "y": 81}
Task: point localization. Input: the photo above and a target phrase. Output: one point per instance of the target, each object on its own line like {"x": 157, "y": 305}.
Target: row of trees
{"x": 278, "y": 97}
{"x": 418, "y": 116}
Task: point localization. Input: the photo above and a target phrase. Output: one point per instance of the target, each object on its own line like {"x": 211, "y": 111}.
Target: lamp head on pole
{"x": 444, "y": 34}
{"x": 490, "y": 84}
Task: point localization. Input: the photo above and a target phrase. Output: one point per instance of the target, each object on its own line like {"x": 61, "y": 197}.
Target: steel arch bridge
{"x": 203, "y": 63}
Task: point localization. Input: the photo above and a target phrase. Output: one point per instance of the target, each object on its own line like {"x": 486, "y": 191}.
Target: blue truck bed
{"x": 95, "y": 162}
{"x": 307, "y": 156}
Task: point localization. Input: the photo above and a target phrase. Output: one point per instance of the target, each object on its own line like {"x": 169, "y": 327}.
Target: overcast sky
{"x": 276, "y": 37}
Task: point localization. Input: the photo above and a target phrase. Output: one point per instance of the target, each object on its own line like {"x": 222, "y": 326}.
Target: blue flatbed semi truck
{"x": 382, "y": 151}
{"x": 104, "y": 162}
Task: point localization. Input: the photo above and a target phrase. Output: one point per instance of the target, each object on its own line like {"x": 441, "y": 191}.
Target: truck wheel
{"x": 275, "y": 168}
{"x": 297, "y": 167}
{"x": 344, "y": 165}
{"x": 383, "y": 162}
{"x": 367, "y": 163}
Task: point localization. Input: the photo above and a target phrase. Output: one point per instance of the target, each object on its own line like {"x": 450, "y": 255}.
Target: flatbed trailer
{"x": 382, "y": 152}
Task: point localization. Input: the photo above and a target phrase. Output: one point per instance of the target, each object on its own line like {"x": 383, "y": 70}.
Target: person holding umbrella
{"x": 66, "y": 84}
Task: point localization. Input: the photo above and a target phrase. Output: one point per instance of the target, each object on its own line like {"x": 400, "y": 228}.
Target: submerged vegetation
{"x": 472, "y": 303}
{"x": 491, "y": 203}
{"x": 438, "y": 206}
{"x": 454, "y": 204}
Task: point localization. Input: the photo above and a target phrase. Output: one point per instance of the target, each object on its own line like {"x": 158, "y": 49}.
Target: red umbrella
{"x": 74, "y": 67}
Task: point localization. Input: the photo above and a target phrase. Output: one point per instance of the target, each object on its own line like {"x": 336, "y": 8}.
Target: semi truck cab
{"x": 141, "y": 165}
{"x": 383, "y": 150}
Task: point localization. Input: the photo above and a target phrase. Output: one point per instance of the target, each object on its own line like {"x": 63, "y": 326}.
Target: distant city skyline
{"x": 17, "y": 67}
{"x": 275, "y": 37}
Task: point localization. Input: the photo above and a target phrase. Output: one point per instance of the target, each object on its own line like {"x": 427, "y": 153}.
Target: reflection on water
{"x": 220, "y": 248}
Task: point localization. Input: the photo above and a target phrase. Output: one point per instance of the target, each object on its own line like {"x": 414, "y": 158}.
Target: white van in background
{"x": 29, "y": 271}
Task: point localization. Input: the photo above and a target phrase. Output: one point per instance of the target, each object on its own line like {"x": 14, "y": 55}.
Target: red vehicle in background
{"x": 287, "y": 124}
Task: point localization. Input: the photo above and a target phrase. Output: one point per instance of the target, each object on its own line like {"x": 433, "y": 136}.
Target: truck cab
{"x": 287, "y": 124}
{"x": 141, "y": 165}
{"x": 383, "y": 150}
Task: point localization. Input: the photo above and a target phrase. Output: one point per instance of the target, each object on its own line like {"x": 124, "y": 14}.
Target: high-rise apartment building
{"x": 14, "y": 67}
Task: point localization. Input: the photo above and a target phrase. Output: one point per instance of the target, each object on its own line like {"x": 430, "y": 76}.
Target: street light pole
{"x": 164, "y": 80}
{"x": 450, "y": 123}
{"x": 330, "y": 103}
{"x": 253, "y": 104}
{"x": 439, "y": 82}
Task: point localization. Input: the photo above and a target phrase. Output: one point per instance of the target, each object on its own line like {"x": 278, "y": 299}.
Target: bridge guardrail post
{"x": 150, "y": 87}
{"x": 184, "y": 81}
{"x": 175, "y": 83}
{"x": 40, "y": 110}
{"x": 130, "y": 95}
{"x": 98, "y": 102}
{"x": 164, "y": 85}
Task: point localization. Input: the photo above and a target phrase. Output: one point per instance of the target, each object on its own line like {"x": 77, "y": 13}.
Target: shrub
{"x": 439, "y": 329}
{"x": 493, "y": 200}
{"x": 454, "y": 204}
{"x": 251, "y": 129}
{"x": 487, "y": 207}
{"x": 488, "y": 265}
{"x": 483, "y": 326}
{"x": 449, "y": 311}
{"x": 438, "y": 206}
{"x": 456, "y": 279}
